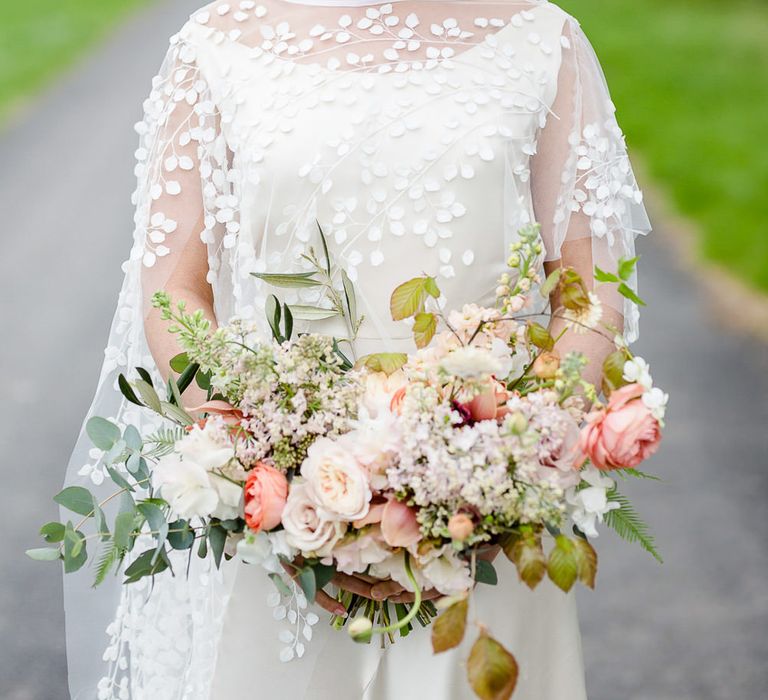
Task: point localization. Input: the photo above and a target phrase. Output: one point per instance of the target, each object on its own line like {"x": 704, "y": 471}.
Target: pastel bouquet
{"x": 416, "y": 468}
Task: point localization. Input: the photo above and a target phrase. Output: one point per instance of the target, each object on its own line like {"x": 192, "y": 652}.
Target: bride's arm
{"x": 595, "y": 344}
{"x": 186, "y": 283}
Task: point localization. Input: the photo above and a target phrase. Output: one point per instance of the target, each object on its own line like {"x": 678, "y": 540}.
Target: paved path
{"x": 694, "y": 629}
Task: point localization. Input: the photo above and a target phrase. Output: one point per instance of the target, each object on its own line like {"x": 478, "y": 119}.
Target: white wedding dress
{"x": 421, "y": 135}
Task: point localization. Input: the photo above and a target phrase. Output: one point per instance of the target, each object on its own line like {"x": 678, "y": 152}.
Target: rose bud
{"x": 545, "y": 366}
{"x": 360, "y": 629}
{"x": 460, "y": 526}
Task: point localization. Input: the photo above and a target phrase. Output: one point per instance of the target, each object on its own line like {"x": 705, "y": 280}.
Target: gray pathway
{"x": 694, "y": 629}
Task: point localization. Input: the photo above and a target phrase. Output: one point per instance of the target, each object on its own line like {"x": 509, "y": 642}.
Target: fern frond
{"x": 164, "y": 440}
{"x": 628, "y": 524}
{"x": 110, "y": 554}
{"x": 623, "y": 473}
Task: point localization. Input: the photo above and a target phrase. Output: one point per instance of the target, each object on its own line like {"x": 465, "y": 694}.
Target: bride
{"x": 421, "y": 135}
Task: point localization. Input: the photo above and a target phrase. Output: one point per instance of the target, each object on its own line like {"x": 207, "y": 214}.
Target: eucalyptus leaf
{"x": 44, "y": 554}
{"x": 124, "y": 524}
{"x": 119, "y": 479}
{"x": 485, "y": 572}
{"x": 280, "y": 584}
{"x": 77, "y": 499}
{"x": 180, "y": 535}
{"x": 132, "y": 437}
{"x": 307, "y": 581}
{"x": 52, "y": 532}
{"x": 217, "y": 538}
{"x": 103, "y": 433}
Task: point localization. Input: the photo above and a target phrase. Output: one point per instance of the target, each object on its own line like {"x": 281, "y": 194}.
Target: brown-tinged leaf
{"x": 448, "y": 629}
{"x": 540, "y": 336}
{"x": 529, "y": 558}
{"x": 563, "y": 566}
{"x": 551, "y": 282}
{"x": 408, "y": 298}
{"x": 491, "y": 669}
{"x": 586, "y": 559}
{"x": 430, "y": 286}
{"x": 424, "y": 327}
{"x": 387, "y": 362}
{"x": 613, "y": 371}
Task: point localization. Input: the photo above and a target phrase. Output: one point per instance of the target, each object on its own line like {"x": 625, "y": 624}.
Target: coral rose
{"x": 266, "y": 491}
{"x": 621, "y": 435}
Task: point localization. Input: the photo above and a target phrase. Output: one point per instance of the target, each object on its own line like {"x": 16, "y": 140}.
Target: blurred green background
{"x": 689, "y": 77}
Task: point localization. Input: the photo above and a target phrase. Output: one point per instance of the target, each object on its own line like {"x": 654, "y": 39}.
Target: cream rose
{"x": 336, "y": 481}
{"x": 307, "y": 527}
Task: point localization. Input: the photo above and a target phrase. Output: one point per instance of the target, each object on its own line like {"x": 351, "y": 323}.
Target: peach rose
{"x": 460, "y": 526}
{"x": 621, "y": 435}
{"x": 266, "y": 490}
{"x": 490, "y": 404}
{"x": 545, "y": 366}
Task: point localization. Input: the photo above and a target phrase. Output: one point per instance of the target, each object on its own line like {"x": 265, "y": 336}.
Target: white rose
{"x": 375, "y": 443}
{"x": 256, "y": 549}
{"x": 306, "y": 526}
{"x": 449, "y": 574}
{"x": 471, "y": 363}
{"x": 336, "y": 481}
{"x": 209, "y": 446}
{"x": 186, "y": 486}
{"x": 394, "y": 567}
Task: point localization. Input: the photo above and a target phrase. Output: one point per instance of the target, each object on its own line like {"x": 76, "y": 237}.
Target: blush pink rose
{"x": 399, "y": 526}
{"x": 266, "y": 490}
{"x": 621, "y": 435}
{"x": 491, "y": 404}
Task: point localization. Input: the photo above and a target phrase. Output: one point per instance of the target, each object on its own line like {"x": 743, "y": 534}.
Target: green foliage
{"x": 485, "y": 572}
{"x": 628, "y": 524}
{"x": 690, "y": 80}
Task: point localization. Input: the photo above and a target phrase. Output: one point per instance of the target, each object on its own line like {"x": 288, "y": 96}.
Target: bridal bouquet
{"x": 416, "y": 468}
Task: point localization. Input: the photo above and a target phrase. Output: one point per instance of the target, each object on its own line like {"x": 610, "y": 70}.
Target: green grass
{"x": 39, "y": 38}
{"x": 690, "y": 80}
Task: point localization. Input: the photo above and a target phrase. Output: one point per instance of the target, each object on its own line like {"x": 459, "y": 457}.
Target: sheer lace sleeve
{"x": 582, "y": 181}
{"x": 185, "y": 195}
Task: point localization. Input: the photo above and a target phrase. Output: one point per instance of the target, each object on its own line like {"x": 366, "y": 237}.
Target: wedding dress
{"x": 421, "y": 136}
